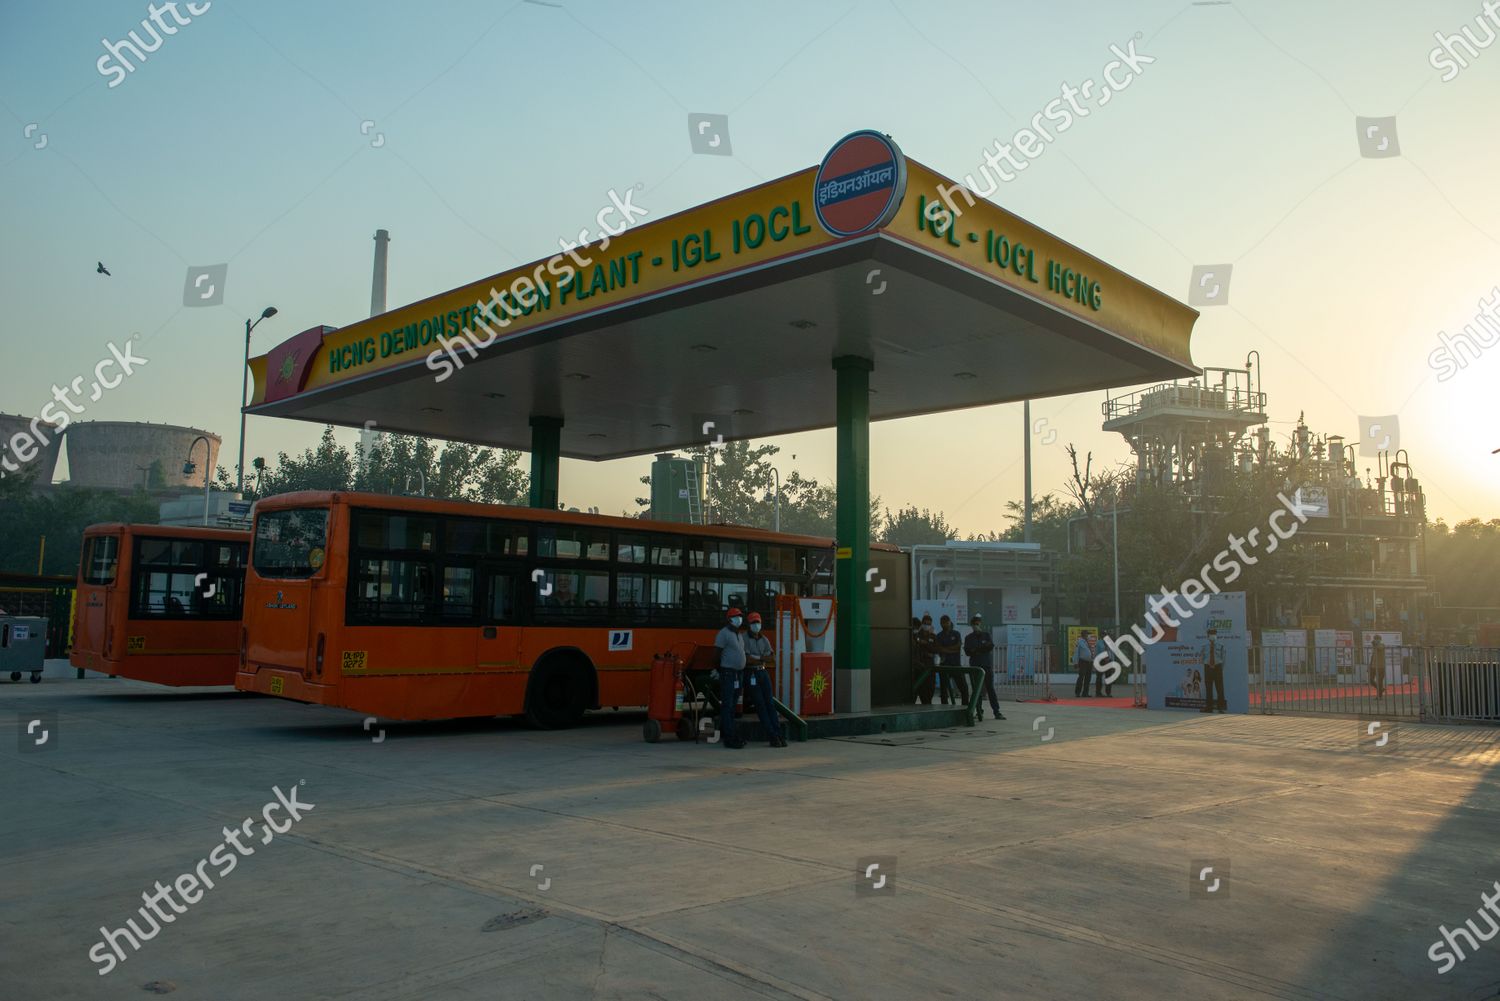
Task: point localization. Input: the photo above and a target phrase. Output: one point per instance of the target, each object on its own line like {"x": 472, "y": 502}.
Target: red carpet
{"x": 1277, "y": 696}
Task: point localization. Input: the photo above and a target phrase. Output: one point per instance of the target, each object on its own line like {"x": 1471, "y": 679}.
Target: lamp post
{"x": 777, "y": 474}
{"x": 188, "y": 467}
{"x": 1026, "y": 444}
{"x": 776, "y": 522}
{"x": 239, "y": 469}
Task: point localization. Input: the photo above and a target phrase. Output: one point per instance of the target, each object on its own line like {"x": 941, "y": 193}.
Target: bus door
{"x": 289, "y": 551}
{"x": 97, "y": 619}
{"x": 501, "y": 586}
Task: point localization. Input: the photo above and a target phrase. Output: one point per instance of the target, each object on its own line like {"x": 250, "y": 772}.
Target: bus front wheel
{"x": 559, "y": 693}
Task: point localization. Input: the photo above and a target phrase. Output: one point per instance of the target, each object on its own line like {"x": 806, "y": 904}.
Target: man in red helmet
{"x": 758, "y": 658}
{"x": 731, "y": 644}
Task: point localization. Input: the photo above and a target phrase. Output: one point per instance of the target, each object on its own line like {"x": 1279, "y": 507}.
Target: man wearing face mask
{"x": 731, "y": 646}
{"x": 924, "y": 648}
{"x": 758, "y": 657}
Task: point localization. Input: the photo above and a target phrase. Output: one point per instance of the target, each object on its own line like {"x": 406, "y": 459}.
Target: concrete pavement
{"x": 479, "y": 859}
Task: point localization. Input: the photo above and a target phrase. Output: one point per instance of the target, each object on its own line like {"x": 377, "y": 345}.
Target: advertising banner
{"x": 1283, "y": 652}
{"x": 1335, "y": 651}
{"x": 1182, "y": 667}
{"x": 1023, "y": 651}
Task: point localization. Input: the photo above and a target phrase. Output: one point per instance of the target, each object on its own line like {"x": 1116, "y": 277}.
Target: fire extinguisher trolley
{"x": 685, "y": 695}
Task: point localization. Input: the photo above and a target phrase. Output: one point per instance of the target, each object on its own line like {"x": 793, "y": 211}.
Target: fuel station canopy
{"x": 732, "y": 312}
{"x": 869, "y": 287}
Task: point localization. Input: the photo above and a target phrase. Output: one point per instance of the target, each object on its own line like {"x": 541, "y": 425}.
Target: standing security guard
{"x": 731, "y": 665}
{"x": 949, "y": 645}
{"x": 758, "y": 654}
{"x": 1083, "y": 655}
{"x": 924, "y": 648}
{"x": 980, "y": 645}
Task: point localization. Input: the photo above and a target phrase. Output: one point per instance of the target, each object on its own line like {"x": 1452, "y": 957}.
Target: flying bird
{"x": 101, "y": 269}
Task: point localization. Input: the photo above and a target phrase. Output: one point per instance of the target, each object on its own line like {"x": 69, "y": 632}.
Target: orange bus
{"x": 160, "y": 603}
{"x": 411, "y": 608}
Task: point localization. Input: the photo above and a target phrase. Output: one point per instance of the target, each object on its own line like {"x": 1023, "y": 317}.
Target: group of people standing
{"x": 744, "y": 655}
{"x": 1083, "y": 656}
{"x": 946, "y": 646}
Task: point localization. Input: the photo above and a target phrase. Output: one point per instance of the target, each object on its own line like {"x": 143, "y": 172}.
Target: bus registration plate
{"x": 276, "y": 684}
{"x": 354, "y": 660}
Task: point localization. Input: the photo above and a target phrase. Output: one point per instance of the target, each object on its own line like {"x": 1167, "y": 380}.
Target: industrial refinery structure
{"x": 1362, "y": 556}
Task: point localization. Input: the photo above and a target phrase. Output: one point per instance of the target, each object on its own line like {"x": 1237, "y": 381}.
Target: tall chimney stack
{"x": 377, "y": 284}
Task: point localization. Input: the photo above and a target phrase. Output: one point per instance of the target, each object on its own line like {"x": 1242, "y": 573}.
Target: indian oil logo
{"x": 860, "y": 184}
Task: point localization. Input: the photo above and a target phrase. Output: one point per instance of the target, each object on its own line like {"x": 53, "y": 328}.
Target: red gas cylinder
{"x": 665, "y": 706}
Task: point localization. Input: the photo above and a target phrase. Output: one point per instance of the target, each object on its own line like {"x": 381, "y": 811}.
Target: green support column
{"x": 851, "y": 665}
{"x": 546, "y": 450}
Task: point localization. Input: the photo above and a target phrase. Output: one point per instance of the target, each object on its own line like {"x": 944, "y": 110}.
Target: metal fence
{"x": 1463, "y": 685}
{"x": 1022, "y": 673}
{"x": 1436, "y": 684}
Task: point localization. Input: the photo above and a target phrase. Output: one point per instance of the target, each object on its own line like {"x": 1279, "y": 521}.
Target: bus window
{"x": 181, "y": 578}
{"x": 666, "y": 599}
{"x": 485, "y": 537}
{"x": 458, "y": 594}
{"x": 392, "y": 590}
{"x": 715, "y": 594}
{"x": 577, "y": 595}
{"x": 500, "y": 597}
{"x": 630, "y": 549}
{"x": 630, "y": 593}
{"x": 719, "y": 555}
{"x": 568, "y": 543}
{"x": 818, "y": 577}
{"x": 162, "y": 592}
{"x": 383, "y": 530}
{"x": 290, "y": 544}
{"x": 777, "y": 560}
{"x": 666, "y": 551}
{"x": 103, "y": 559}
{"x": 168, "y": 552}
{"x": 640, "y": 596}
{"x": 733, "y": 556}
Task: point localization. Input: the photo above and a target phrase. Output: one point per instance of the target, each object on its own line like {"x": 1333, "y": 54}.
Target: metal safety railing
{"x": 1338, "y": 681}
{"x": 973, "y": 683}
{"x": 1463, "y": 685}
{"x": 1024, "y": 673}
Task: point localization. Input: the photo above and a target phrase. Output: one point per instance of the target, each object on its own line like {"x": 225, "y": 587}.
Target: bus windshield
{"x": 290, "y": 544}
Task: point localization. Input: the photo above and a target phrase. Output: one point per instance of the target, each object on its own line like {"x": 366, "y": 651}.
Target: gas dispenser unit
{"x": 804, "y": 654}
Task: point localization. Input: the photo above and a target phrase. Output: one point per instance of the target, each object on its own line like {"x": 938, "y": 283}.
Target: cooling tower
{"x": 119, "y": 455}
{"x": 43, "y": 464}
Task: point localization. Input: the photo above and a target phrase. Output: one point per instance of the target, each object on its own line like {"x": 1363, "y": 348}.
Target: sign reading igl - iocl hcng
{"x": 864, "y": 186}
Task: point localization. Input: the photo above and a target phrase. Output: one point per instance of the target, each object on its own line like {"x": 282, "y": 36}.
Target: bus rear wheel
{"x": 559, "y": 693}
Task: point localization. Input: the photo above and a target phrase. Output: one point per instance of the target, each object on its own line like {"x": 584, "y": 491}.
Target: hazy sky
{"x": 499, "y": 127}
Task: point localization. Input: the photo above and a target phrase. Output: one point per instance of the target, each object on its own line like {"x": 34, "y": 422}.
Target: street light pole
{"x": 1026, "y": 440}
{"x": 239, "y": 469}
{"x": 777, "y": 518}
{"x": 1114, "y": 516}
{"x": 187, "y": 468}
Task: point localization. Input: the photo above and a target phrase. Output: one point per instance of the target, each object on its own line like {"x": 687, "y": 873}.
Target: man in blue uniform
{"x": 731, "y": 646}
{"x": 980, "y": 646}
{"x": 758, "y": 657}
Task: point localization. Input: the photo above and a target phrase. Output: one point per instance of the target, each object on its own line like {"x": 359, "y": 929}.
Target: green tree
{"x": 396, "y": 464}
{"x": 60, "y": 515}
{"x": 1464, "y": 561}
{"x": 910, "y": 527}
